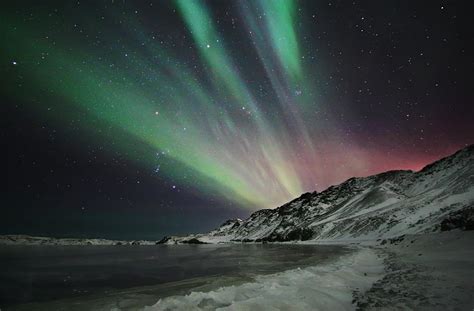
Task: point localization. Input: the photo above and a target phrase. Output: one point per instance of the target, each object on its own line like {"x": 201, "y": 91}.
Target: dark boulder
{"x": 193, "y": 241}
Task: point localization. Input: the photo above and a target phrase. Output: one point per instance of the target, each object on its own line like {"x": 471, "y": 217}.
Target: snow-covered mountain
{"x": 438, "y": 197}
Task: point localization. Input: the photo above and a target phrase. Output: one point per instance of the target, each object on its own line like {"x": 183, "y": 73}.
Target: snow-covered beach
{"x": 324, "y": 287}
{"x": 414, "y": 272}
{"x": 425, "y": 272}
{"x": 432, "y": 271}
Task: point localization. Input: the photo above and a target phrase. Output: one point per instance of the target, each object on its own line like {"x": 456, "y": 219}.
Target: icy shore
{"x": 433, "y": 271}
{"x": 323, "y": 287}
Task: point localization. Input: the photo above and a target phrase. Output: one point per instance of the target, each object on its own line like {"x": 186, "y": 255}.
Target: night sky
{"x": 138, "y": 119}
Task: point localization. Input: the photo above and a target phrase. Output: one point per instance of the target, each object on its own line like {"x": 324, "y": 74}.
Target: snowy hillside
{"x": 32, "y": 240}
{"x": 439, "y": 197}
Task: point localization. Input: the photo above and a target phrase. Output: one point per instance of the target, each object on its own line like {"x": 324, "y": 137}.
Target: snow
{"x": 33, "y": 240}
{"x": 374, "y": 207}
{"x": 324, "y": 287}
{"x": 426, "y": 272}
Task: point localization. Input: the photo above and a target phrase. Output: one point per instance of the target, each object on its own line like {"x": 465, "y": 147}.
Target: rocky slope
{"x": 438, "y": 197}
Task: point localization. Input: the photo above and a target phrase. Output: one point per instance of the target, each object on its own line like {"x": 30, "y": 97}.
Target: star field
{"x": 170, "y": 116}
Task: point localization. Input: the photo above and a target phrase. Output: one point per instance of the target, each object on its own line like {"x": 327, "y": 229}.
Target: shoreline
{"x": 431, "y": 271}
{"x": 326, "y": 286}
{"x": 28, "y": 240}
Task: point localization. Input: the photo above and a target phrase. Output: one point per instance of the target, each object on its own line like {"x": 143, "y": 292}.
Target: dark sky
{"x": 136, "y": 119}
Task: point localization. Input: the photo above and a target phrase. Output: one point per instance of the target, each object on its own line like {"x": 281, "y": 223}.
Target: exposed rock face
{"x": 439, "y": 197}
{"x": 461, "y": 219}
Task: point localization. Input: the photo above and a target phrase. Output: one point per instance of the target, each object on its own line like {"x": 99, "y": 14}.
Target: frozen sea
{"x": 132, "y": 277}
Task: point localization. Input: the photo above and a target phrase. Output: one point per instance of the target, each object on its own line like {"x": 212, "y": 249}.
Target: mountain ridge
{"x": 379, "y": 206}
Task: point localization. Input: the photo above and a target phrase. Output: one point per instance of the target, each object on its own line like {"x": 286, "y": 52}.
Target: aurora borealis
{"x": 242, "y": 104}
